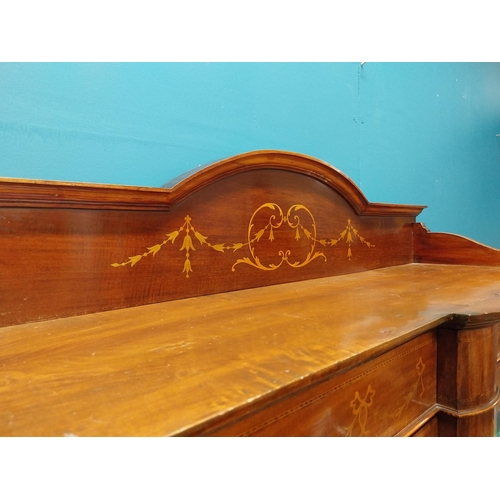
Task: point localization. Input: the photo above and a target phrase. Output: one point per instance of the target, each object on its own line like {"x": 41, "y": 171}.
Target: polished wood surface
{"x": 257, "y": 219}
{"x": 262, "y": 295}
{"x": 366, "y": 400}
{"x": 53, "y": 194}
{"x": 445, "y": 248}
{"x": 223, "y": 364}
{"x": 430, "y": 429}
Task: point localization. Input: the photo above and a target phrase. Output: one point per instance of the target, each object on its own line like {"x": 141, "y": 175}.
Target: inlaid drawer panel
{"x": 379, "y": 398}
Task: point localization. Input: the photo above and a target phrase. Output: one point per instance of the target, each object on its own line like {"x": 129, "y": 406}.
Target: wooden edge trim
{"x": 471, "y": 412}
{"x": 471, "y": 321}
{"x": 58, "y": 194}
{"x": 447, "y": 248}
{"x": 437, "y": 408}
{"x": 292, "y": 162}
{"x": 417, "y": 424}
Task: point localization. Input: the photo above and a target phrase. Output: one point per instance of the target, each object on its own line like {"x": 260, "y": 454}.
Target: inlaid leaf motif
{"x": 187, "y": 243}
{"x": 134, "y": 260}
{"x": 154, "y": 249}
{"x": 275, "y": 221}
{"x": 171, "y": 236}
{"x": 258, "y": 235}
{"x": 367, "y": 243}
{"x": 348, "y": 234}
{"x": 187, "y": 268}
{"x": 202, "y": 239}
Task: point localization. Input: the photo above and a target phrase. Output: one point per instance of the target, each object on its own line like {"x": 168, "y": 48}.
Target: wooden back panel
{"x": 258, "y": 219}
{"x": 446, "y": 248}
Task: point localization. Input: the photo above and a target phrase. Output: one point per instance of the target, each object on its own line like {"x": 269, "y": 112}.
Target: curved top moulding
{"x": 196, "y": 179}
{"x": 257, "y": 219}
{"x": 38, "y": 193}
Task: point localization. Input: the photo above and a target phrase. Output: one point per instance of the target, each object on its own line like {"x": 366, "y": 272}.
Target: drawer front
{"x": 382, "y": 397}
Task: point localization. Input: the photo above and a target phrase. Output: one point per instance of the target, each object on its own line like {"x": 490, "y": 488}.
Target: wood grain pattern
{"x": 289, "y": 162}
{"x": 445, "y": 248}
{"x": 364, "y": 401}
{"x": 464, "y": 384}
{"x": 430, "y": 429}
{"x": 72, "y": 249}
{"x": 192, "y": 366}
{"x": 261, "y": 295}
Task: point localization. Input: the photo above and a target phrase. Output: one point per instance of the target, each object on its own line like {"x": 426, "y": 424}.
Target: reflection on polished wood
{"x": 397, "y": 338}
{"x": 281, "y": 360}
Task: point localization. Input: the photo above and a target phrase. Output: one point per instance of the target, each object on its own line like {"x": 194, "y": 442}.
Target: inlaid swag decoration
{"x": 254, "y": 235}
{"x": 360, "y": 406}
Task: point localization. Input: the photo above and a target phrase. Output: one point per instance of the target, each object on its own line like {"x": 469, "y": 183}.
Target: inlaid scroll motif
{"x": 417, "y": 387}
{"x": 275, "y": 221}
{"x": 360, "y": 411}
{"x": 298, "y": 219}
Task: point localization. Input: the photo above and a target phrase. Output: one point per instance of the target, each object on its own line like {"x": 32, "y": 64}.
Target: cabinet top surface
{"x": 162, "y": 369}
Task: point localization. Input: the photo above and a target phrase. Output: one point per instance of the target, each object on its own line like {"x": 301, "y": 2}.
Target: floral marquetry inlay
{"x": 360, "y": 411}
{"x": 187, "y": 245}
{"x": 275, "y": 222}
{"x": 298, "y": 219}
{"x": 417, "y": 389}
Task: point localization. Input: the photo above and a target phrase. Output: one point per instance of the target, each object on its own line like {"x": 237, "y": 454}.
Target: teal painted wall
{"x": 429, "y": 136}
{"x": 423, "y": 133}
